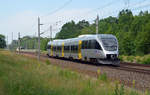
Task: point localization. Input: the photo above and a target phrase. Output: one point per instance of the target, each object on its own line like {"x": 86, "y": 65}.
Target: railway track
{"x": 132, "y": 67}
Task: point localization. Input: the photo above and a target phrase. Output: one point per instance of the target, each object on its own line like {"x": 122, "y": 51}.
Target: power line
{"x": 60, "y": 8}
{"x": 97, "y": 9}
{"x": 133, "y": 9}
{"x": 104, "y": 6}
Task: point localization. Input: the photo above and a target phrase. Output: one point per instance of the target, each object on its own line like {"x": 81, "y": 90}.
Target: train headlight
{"x": 113, "y": 57}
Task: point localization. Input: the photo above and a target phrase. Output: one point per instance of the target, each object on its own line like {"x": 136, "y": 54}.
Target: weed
{"x": 48, "y": 62}
{"x": 103, "y": 77}
{"x": 133, "y": 83}
{"x": 98, "y": 72}
{"x": 133, "y": 93}
{"x": 116, "y": 91}
{"x": 119, "y": 90}
{"x": 147, "y": 92}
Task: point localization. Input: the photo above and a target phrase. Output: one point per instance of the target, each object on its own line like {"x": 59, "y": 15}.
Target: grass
{"x": 20, "y": 75}
{"x": 137, "y": 59}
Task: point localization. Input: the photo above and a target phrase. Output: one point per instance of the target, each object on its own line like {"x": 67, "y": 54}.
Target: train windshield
{"x": 110, "y": 44}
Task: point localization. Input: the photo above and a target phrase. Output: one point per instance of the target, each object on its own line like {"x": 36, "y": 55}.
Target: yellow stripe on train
{"x": 51, "y": 50}
{"x": 63, "y": 49}
{"x": 79, "y": 50}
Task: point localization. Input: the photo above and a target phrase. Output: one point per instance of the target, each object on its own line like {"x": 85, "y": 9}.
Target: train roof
{"x": 83, "y": 37}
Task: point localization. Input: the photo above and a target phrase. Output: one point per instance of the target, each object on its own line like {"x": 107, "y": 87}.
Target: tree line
{"x": 132, "y": 31}
{"x": 2, "y": 41}
{"x": 28, "y": 42}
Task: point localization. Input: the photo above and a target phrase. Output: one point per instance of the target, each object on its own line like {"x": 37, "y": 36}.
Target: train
{"x": 96, "y": 48}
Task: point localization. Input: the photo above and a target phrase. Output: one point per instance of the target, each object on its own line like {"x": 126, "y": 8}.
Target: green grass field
{"x": 20, "y": 75}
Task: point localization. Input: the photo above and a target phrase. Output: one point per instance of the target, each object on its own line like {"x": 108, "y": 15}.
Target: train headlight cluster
{"x": 111, "y": 56}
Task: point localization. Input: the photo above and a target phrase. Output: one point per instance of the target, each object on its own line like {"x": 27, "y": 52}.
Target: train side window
{"x": 93, "y": 44}
{"x": 89, "y": 44}
{"x": 83, "y": 44}
{"x": 49, "y": 46}
{"x": 68, "y": 48}
{"x": 76, "y": 48}
{"x": 71, "y": 48}
{"x": 86, "y": 44}
{"x": 53, "y": 48}
{"x": 56, "y": 48}
{"x": 65, "y": 48}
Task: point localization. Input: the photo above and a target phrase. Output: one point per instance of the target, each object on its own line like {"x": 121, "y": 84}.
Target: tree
{"x": 2, "y": 41}
{"x": 132, "y": 32}
{"x": 44, "y": 42}
{"x": 143, "y": 40}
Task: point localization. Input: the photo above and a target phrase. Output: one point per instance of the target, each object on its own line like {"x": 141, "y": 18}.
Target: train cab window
{"x": 95, "y": 45}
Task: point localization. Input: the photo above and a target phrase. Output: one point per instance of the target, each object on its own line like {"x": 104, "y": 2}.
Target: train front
{"x": 109, "y": 45}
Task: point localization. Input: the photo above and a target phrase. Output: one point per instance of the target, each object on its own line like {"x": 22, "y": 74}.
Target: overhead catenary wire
{"x": 58, "y": 9}
{"x": 133, "y": 9}
{"x": 93, "y": 10}
{"x": 53, "y": 12}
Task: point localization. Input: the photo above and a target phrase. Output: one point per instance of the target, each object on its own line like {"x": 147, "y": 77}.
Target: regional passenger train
{"x": 101, "y": 48}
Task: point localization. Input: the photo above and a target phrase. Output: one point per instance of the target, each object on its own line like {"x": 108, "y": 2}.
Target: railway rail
{"x": 132, "y": 67}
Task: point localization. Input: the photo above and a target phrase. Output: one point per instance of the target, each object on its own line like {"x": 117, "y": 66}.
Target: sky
{"x": 21, "y": 15}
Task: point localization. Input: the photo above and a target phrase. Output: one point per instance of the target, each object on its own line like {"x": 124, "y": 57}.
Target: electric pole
{"x": 97, "y": 20}
{"x": 7, "y": 43}
{"x": 38, "y": 38}
{"x": 12, "y": 42}
{"x": 50, "y": 32}
{"x": 39, "y": 24}
{"x": 19, "y": 41}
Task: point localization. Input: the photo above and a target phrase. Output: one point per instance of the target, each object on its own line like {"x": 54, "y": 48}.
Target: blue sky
{"x": 21, "y": 15}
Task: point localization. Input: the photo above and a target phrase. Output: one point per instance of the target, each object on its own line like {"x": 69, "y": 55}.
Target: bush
{"x": 121, "y": 58}
{"x": 130, "y": 58}
{"x": 146, "y": 61}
